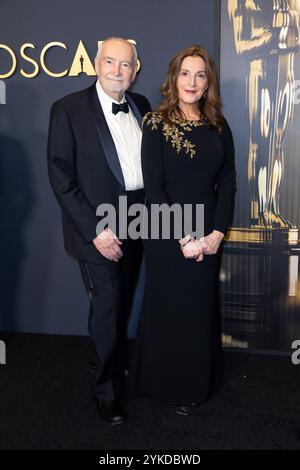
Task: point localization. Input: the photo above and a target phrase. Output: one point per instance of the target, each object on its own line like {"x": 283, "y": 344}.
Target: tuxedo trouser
{"x": 111, "y": 287}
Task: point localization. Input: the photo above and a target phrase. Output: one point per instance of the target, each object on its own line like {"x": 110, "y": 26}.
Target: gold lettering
{"x": 14, "y": 61}
{"x": 42, "y": 59}
{"x": 81, "y": 63}
{"x": 29, "y": 59}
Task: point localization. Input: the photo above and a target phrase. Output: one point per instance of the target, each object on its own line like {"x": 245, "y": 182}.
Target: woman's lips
{"x": 192, "y": 92}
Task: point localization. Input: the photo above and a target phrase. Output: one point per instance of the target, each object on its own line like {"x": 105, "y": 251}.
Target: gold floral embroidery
{"x": 152, "y": 118}
{"x": 175, "y": 134}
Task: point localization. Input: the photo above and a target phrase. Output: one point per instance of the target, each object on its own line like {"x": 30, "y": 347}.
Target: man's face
{"x": 115, "y": 68}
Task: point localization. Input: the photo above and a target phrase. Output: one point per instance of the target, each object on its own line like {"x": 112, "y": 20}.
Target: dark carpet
{"x": 47, "y": 403}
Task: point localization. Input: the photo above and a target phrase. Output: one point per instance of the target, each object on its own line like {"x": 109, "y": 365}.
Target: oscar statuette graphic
{"x": 262, "y": 254}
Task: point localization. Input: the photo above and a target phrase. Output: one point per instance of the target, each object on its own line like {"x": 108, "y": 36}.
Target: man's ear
{"x": 136, "y": 68}
{"x": 97, "y": 67}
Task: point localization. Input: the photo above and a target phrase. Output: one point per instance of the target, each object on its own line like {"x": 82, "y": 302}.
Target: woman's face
{"x": 192, "y": 80}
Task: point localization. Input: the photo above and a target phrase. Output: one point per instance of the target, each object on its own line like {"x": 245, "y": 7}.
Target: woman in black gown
{"x": 187, "y": 158}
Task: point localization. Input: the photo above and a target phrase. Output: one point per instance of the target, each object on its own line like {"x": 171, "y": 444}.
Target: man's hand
{"x": 107, "y": 243}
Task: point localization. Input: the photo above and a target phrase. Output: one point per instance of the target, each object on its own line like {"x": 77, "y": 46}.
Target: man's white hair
{"x": 100, "y": 45}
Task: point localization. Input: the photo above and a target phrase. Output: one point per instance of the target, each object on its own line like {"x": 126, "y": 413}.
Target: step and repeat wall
{"x": 260, "y": 84}
{"x": 47, "y": 50}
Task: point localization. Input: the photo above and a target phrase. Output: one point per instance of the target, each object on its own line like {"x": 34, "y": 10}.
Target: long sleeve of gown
{"x": 226, "y": 184}
{"x": 152, "y": 163}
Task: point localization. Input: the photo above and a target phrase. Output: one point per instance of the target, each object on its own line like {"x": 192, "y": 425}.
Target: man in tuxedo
{"x": 94, "y": 158}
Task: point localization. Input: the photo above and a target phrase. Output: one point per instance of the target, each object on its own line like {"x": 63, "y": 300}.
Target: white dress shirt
{"x": 127, "y": 137}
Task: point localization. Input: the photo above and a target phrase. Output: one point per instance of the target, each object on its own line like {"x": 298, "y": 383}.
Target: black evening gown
{"x": 177, "y": 355}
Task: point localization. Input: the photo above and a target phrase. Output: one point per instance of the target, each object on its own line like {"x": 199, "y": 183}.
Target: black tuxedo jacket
{"x": 83, "y": 164}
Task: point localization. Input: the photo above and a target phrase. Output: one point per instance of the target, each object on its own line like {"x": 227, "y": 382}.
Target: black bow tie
{"x": 120, "y": 107}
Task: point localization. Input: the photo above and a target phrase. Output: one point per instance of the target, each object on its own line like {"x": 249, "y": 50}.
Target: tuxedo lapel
{"x": 106, "y": 139}
{"x": 135, "y": 109}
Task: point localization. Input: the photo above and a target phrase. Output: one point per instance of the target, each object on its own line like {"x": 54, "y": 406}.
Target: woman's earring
{"x": 205, "y": 94}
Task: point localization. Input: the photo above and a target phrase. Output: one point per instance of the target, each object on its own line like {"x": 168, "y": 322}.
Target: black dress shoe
{"x": 112, "y": 412}
{"x": 184, "y": 410}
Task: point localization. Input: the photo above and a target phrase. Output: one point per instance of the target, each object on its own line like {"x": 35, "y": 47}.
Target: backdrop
{"x": 41, "y": 288}
{"x": 260, "y": 72}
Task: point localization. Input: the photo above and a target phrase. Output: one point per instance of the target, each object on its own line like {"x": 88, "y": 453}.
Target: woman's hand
{"x": 210, "y": 244}
{"x": 191, "y": 248}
